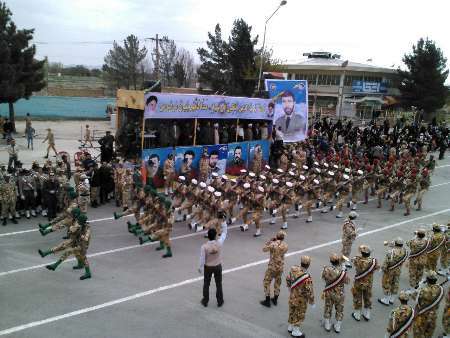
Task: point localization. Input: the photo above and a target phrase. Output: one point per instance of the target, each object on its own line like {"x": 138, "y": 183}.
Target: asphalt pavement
{"x": 136, "y": 293}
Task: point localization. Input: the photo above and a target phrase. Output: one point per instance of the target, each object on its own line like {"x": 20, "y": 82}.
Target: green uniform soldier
{"x": 428, "y": 300}
{"x": 424, "y": 185}
{"x": 417, "y": 258}
{"x": 277, "y": 248}
{"x": 84, "y": 198}
{"x": 392, "y": 267}
{"x": 401, "y": 318}
{"x": 365, "y": 267}
{"x": 301, "y": 293}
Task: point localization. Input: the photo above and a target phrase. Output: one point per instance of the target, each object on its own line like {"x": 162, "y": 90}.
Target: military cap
{"x": 243, "y": 171}
{"x": 251, "y": 174}
{"x": 364, "y": 249}
{"x": 334, "y": 257}
{"x": 289, "y": 184}
{"x": 316, "y": 163}
{"x": 436, "y": 227}
{"x": 261, "y": 189}
{"x": 317, "y": 170}
{"x": 182, "y": 178}
{"x": 403, "y": 296}
{"x": 346, "y": 177}
{"x": 360, "y": 172}
{"x": 291, "y": 173}
{"x": 302, "y": 177}
{"x": 398, "y": 241}
{"x": 281, "y": 234}
{"x": 275, "y": 181}
{"x": 82, "y": 218}
{"x": 217, "y": 193}
{"x": 262, "y": 177}
{"x": 347, "y": 170}
{"x": 211, "y": 189}
{"x": 267, "y": 167}
{"x": 194, "y": 181}
{"x": 246, "y": 185}
{"x": 352, "y": 214}
{"x": 202, "y": 184}
{"x": 316, "y": 181}
{"x": 215, "y": 174}
{"x": 225, "y": 177}
{"x": 305, "y": 167}
{"x": 326, "y": 165}
{"x": 421, "y": 232}
{"x": 294, "y": 165}
{"x": 330, "y": 173}
{"x": 279, "y": 170}
{"x": 335, "y": 166}
{"x": 305, "y": 260}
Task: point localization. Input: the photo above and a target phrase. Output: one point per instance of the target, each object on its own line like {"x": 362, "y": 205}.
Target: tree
{"x": 179, "y": 73}
{"x": 215, "y": 69}
{"x": 242, "y": 59}
{"x": 422, "y": 84}
{"x": 167, "y": 59}
{"x": 20, "y": 73}
{"x": 122, "y": 63}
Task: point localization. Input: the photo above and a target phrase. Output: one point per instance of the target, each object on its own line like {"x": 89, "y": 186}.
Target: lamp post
{"x": 282, "y": 3}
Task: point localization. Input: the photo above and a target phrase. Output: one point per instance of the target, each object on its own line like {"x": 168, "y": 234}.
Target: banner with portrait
{"x": 291, "y": 108}
{"x": 217, "y": 155}
{"x": 190, "y": 106}
{"x": 187, "y": 161}
{"x": 258, "y": 155}
{"x": 237, "y": 158}
{"x": 154, "y": 159}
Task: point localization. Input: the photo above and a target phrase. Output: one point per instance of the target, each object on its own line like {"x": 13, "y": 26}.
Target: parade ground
{"x": 135, "y": 293}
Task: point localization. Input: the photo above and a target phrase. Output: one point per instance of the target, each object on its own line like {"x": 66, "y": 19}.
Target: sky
{"x": 82, "y": 31}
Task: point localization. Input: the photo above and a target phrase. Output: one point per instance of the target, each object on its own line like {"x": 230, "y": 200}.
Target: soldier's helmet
{"x": 82, "y": 218}
{"x": 305, "y": 260}
{"x": 398, "y": 241}
{"x": 75, "y": 212}
{"x": 431, "y": 276}
{"x": 72, "y": 194}
{"x": 281, "y": 234}
{"x": 403, "y": 296}
{"x": 334, "y": 258}
{"x": 365, "y": 249}
{"x": 352, "y": 215}
{"x": 421, "y": 232}
{"x": 436, "y": 227}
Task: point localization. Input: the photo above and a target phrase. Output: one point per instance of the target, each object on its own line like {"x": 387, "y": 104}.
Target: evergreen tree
{"x": 242, "y": 59}
{"x": 20, "y": 73}
{"x": 123, "y": 64}
{"x": 422, "y": 84}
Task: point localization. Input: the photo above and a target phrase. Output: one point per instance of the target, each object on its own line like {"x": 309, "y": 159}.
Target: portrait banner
{"x": 258, "y": 155}
{"x": 291, "y": 108}
{"x": 190, "y": 106}
{"x": 187, "y": 161}
{"x": 154, "y": 159}
{"x": 237, "y": 158}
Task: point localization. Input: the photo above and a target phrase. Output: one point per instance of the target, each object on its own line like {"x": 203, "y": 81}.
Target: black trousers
{"x": 52, "y": 204}
{"x": 217, "y": 272}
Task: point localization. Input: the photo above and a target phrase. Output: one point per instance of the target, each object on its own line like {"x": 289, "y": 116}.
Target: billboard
{"x": 262, "y": 147}
{"x": 291, "y": 108}
{"x": 154, "y": 159}
{"x": 237, "y": 158}
{"x": 359, "y": 86}
{"x": 189, "y": 106}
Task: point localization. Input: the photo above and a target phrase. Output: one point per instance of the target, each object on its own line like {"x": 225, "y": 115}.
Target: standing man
{"x": 8, "y": 196}
{"x": 417, "y": 258}
{"x": 365, "y": 266}
{"x": 401, "y": 318}
{"x": 301, "y": 288}
{"x": 348, "y": 236}
{"x": 50, "y": 190}
{"x": 106, "y": 147}
{"x": 277, "y": 248}
{"x": 13, "y": 154}
{"x": 50, "y": 138}
{"x": 392, "y": 267}
{"x": 335, "y": 278}
{"x": 428, "y": 301}
{"x": 211, "y": 263}
{"x": 436, "y": 242}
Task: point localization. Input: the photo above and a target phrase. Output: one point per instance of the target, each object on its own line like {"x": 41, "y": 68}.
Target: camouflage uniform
{"x": 424, "y": 185}
{"x": 83, "y": 196}
{"x": 203, "y": 168}
{"x": 427, "y": 305}
{"x": 446, "y": 314}
{"x": 392, "y": 267}
{"x": 257, "y": 163}
{"x": 348, "y": 237}
{"x": 410, "y": 190}
{"x": 362, "y": 286}
{"x": 400, "y": 317}
{"x": 8, "y": 197}
{"x": 277, "y": 249}
{"x": 169, "y": 175}
{"x": 127, "y": 189}
{"x": 437, "y": 241}
{"x": 335, "y": 296}
{"x": 301, "y": 293}
{"x": 417, "y": 260}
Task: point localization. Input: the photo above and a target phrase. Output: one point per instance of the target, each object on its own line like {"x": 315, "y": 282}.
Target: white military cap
{"x": 194, "y": 181}
{"x": 330, "y": 173}
{"x": 203, "y": 184}
{"x": 275, "y": 181}
{"x": 267, "y": 167}
{"x": 294, "y": 165}
{"x": 243, "y": 171}
{"x": 225, "y": 177}
{"x": 326, "y": 165}
{"x": 347, "y": 170}
{"x": 289, "y": 184}
{"x": 182, "y": 178}
{"x": 346, "y": 177}
{"x": 261, "y": 189}
{"x": 317, "y": 170}
{"x": 316, "y": 181}
{"x": 262, "y": 177}
{"x": 360, "y": 172}
{"x": 217, "y": 193}
{"x": 246, "y": 185}
{"x": 251, "y": 174}
{"x": 316, "y": 163}
{"x": 302, "y": 177}
{"x": 291, "y": 173}
{"x": 335, "y": 166}
{"x": 215, "y": 174}
{"x": 211, "y": 189}
{"x": 280, "y": 170}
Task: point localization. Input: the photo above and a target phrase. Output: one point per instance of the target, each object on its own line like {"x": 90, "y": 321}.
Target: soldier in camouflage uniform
{"x": 64, "y": 220}
{"x": 301, "y": 294}
{"x": 392, "y": 267}
{"x": 357, "y": 187}
{"x": 417, "y": 258}
{"x": 127, "y": 189}
{"x": 335, "y": 278}
{"x": 446, "y": 315}
{"x": 169, "y": 174}
{"x": 118, "y": 173}
{"x": 257, "y": 161}
{"x": 277, "y": 248}
{"x": 8, "y": 197}
{"x": 348, "y": 236}
{"x": 365, "y": 266}
{"x": 410, "y": 187}
{"x": 27, "y": 191}
{"x": 382, "y": 182}
{"x": 428, "y": 301}
{"x": 401, "y": 318}
{"x": 343, "y": 189}
{"x": 445, "y": 254}
{"x": 204, "y": 166}
{"x": 424, "y": 185}
{"x": 436, "y": 242}
{"x": 84, "y": 193}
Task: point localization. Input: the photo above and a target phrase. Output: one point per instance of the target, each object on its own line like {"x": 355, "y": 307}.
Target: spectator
{"x": 66, "y": 162}
{"x": 240, "y": 133}
{"x": 264, "y": 131}
{"x": 216, "y": 133}
{"x": 29, "y": 134}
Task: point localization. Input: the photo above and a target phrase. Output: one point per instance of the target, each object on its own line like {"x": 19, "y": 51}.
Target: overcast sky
{"x": 381, "y": 30}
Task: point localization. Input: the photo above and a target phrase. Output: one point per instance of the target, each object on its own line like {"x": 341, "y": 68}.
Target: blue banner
{"x": 217, "y": 159}
{"x": 262, "y": 147}
{"x": 291, "y": 108}
{"x": 187, "y": 161}
{"x": 359, "y": 86}
{"x": 237, "y": 158}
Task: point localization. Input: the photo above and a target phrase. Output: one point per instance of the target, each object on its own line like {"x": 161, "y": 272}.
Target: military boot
{"x": 275, "y": 300}
{"x": 265, "y": 302}
{"x": 44, "y": 253}
{"x": 87, "y": 273}
{"x": 14, "y": 220}
{"x": 79, "y": 266}
{"x": 143, "y": 240}
{"x": 45, "y": 231}
{"x": 117, "y": 215}
{"x": 168, "y": 252}
{"x": 44, "y": 226}
{"x": 54, "y": 265}
{"x": 160, "y": 247}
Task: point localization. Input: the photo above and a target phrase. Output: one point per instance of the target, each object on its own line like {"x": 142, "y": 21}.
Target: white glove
{"x": 22, "y": 197}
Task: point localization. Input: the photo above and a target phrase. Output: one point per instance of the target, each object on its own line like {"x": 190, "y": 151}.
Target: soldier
{"x": 277, "y": 248}
{"x": 8, "y": 197}
{"x": 50, "y": 138}
{"x": 335, "y": 278}
{"x": 446, "y": 316}
{"x": 312, "y": 194}
{"x": 343, "y": 189}
{"x": 396, "y": 188}
{"x": 301, "y": 288}
{"x": 257, "y": 161}
{"x": 417, "y": 258}
{"x": 410, "y": 187}
{"x": 348, "y": 236}
{"x": 365, "y": 266}
{"x": 357, "y": 187}
{"x": 392, "y": 267}
{"x": 87, "y": 137}
{"x": 84, "y": 193}
{"x": 204, "y": 166}
{"x": 401, "y": 318}
{"x": 436, "y": 242}
{"x": 428, "y": 300}
{"x": 118, "y": 173}
{"x": 27, "y": 191}
{"x": 382, "y": 182}
{"x": 424, "y": 185}
{"x": 169, "y": 174}
{"x": 445, "y": 254}
{"x": 127, "y": 189}
{"x": 258, "y": 209}
{"x": 64, "y": 220}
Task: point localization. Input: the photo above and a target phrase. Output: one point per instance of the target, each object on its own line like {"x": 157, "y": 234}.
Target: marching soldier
{"x": 257, "y": 161}
{"x": 357, "y": 187}
{"x": 301, "y": 288}
{"x": 277, "y": 248}
{"x": 127, "y": 189}
{"x": 392, "y": 267}
{"x": 428, "y": 300}
{"x": 382, "y": 182}
{"x": 401, "y": 318}
{"x": 64, "y": 220}
{"x": 445, "y": 254}
{"x": 424, "y": 185}
{"x": 84, "y": 193}
{"x": 169, "y": 174}
{"x": 446, "y": 316}
{"x": 410, "y": 190}
{"x": 417, "y": 258}
{"x": 204, "y": 166}
{"x": 335, "y": 278}
{"x": 343, "y": 189}
{"x": 118, "y": 173}
{"x": 348, "y": 236}
{"x": 436, "y": 242}
{"x": 396, "y": 187}
{"x": 365, "y": 266}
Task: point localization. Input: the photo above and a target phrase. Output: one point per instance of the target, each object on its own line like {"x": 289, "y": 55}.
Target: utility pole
{"x": 157, "y": 56}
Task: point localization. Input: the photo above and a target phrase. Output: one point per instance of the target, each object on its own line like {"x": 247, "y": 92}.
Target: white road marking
{"x": 197, "y": 279}
{"x": 112, "y": 218}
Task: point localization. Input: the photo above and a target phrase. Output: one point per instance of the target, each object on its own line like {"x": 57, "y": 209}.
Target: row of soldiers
{"x": 423, "y": 253}
{"x": 28, "y": 192}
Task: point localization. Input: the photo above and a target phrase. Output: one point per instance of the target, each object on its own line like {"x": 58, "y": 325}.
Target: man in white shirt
{"x": 211, "y": 263}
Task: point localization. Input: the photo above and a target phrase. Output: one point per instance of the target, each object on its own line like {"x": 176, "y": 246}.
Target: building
{"x": 345, "y": 88}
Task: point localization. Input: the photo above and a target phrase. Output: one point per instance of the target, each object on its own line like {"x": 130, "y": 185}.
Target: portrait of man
{"x": 237, "y": 162}
{"x": 152, "y": 102}
{"x": 271, "y": 108}
{"x": 292, "y": 122}
{"x": 213, "y": 160}
{"x": 154, "y": 171}
{"x": 187, "y": 168}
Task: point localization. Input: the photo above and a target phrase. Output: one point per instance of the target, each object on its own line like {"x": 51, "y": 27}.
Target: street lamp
{"x": 282, "y": 3}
